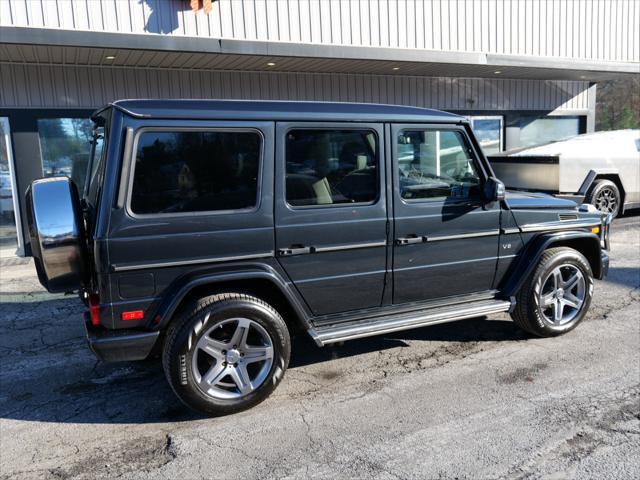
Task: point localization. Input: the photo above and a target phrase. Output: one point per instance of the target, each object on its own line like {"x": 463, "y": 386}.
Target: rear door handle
{"x": 295, "y": 250}
{"x": 410, "y": 239}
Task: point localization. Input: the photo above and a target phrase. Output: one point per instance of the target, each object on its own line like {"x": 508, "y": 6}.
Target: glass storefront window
{"x": 488, "y": 131}
{"x": 8, "y": 224}
{"x": 65, "y": 146}
{"x": 536, "y": 131}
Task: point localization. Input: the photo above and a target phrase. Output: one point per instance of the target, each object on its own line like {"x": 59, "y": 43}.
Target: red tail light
{"x": 133, "y": 315}
{"x": 94, "y": 310}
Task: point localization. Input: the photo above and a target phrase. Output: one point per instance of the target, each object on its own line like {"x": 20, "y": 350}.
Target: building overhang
{"x": 106, "y": 49}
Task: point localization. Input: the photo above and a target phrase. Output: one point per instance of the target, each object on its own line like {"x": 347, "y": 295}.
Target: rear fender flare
{"x": 594, "y": 175}
{"x": 179, "y": 292}
{"x": 531, "y": 256}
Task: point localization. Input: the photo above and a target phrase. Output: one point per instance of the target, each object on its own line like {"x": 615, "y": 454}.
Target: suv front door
{"x": 446, "y": 237}
{"x": 331, "y": 214}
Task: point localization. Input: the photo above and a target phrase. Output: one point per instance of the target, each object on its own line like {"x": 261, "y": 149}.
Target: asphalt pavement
{"x": 475, "y": 399}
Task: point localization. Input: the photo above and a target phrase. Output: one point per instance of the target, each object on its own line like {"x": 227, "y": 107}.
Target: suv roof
{"x": 280, "y": 110}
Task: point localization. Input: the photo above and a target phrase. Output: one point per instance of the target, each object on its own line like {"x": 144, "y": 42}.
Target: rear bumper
{"x": 119, "y": 345}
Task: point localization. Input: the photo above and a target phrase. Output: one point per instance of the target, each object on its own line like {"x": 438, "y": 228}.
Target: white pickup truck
{"x": 600, "y": 168}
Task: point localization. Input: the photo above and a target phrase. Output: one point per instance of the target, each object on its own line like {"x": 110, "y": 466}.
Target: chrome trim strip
{"x": 566, "y": 225}
{"x": 395, "y": 325}
{"x": 179, "y": 263}
{"x": 350, "y": 246}
{"x": 438, "y": 238}
{"x": 334, "y": 277}
{"x": 458, "y": 262}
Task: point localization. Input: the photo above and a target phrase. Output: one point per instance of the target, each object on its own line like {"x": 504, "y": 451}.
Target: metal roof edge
{"x": 83, "y": 38}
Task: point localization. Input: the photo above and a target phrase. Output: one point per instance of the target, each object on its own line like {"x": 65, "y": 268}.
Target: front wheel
{"x": 556, "y": 297}
{"x": 226, "y": 354}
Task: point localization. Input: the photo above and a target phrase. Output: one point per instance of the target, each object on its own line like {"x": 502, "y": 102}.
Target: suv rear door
{"x": 331, "y": 214}
{"x": 446, "y": 238}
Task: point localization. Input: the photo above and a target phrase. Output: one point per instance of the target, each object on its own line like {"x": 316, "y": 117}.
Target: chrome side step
{"x": 393, "y": 323}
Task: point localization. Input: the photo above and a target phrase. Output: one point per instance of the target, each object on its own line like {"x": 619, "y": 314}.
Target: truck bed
{"x": 540, "y": 173}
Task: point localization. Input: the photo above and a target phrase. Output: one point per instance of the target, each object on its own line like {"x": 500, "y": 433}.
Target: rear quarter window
{"x": 195, "y": 171}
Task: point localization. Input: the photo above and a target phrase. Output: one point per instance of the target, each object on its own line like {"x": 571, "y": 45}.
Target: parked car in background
{"x": 212, "y": 231}
{"x": 600, "y": 168}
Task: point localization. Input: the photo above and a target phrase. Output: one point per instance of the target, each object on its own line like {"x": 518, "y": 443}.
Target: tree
{"x": 65, "y": 146}
{"x": 618, "y": 104}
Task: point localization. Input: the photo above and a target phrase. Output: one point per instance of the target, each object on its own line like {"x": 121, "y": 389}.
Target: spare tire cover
{"x": 56, "y": 228}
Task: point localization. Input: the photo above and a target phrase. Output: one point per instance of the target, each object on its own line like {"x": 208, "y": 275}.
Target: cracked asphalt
{"x": 474, "y": 399}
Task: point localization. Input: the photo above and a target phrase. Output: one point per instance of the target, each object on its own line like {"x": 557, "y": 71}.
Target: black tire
{"x": 530, "y": 315}
{"x": 605, "y": 196}
{"x": 221, "y": 310}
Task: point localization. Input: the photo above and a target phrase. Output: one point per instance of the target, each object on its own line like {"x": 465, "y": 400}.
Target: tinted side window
{"x": 436, "y": 164}
{"x": 177, "y": 172}
{"x": 329, "y": 167}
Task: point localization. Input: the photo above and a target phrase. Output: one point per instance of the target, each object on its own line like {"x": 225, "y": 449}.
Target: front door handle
{"x": 410, "y": 239}
{"x": 295, "y": 250}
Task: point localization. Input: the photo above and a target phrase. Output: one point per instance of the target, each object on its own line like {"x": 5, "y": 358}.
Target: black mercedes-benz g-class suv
{"x": 210, "y": 231}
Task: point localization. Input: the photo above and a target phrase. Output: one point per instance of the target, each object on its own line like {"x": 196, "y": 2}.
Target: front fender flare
{"x": 529, "y": 259}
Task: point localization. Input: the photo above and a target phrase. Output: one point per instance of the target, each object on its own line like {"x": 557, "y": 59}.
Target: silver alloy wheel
{"x": 606, "y": 200}
{"x": 232, "y": 358}
{"x": 562, "y": 295}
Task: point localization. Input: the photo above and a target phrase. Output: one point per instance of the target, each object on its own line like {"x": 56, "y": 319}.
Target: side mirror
{"x": 494, "y": 190}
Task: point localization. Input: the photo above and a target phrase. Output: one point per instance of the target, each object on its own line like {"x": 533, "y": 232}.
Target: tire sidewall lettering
{"x": 195, "y": 327}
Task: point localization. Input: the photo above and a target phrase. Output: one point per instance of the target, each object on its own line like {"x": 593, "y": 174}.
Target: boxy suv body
{"x": 211, "y": 231}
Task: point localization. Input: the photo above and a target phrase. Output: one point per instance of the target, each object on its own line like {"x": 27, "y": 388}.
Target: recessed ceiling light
{"x": 271, "y": 64}
{"x": 110, "y": 57}
{"x": 396, "y": 68}
{"x": 498, "y": 72}
{"x": 583, "y": 76}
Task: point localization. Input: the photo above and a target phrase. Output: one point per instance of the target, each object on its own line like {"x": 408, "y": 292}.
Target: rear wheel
{"x": 605, "y": 196}
{"x": 227, "y": 353}
{"x": 556, "y": 297}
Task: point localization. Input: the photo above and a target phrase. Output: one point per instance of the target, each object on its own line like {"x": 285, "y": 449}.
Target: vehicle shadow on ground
{"x": 625, "y": 276}
{"x": 49, "y": 375}
{"x": 306, "y": 353}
